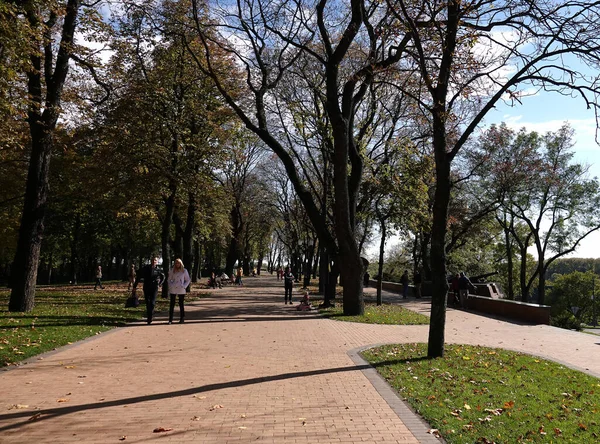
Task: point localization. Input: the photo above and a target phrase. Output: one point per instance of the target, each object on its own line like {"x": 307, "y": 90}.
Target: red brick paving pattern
{"x": 243, "y": 368}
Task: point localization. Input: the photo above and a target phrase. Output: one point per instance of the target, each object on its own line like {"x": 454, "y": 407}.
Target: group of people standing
{"x": 417, "y": 282}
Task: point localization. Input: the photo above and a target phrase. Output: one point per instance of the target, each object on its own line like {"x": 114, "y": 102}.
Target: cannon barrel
{"x": 481, "y": 277}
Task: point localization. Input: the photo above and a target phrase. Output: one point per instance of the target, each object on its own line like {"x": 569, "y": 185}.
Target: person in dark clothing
{"x": 417, "y": 280}
{"x": 404, "y": 282}
{"x": 153, "y": 279}
{"x": 455, "y": 290}
{"x": 464, "y": 284}
{"x": 288, "y": 282}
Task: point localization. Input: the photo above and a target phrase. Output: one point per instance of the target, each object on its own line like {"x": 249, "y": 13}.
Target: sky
{"x": 548, "y": 112}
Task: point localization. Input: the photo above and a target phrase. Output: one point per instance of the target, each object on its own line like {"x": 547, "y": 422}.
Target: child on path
{"x": 304, "y": 303}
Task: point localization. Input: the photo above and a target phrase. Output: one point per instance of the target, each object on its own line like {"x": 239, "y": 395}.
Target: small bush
{"x": 566, "y": 320}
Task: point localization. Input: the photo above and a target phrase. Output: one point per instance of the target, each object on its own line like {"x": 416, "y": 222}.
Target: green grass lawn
{"x": 382, "y": 314}
{"x": 483, "y": 395}
{"x": 62, "y": 315}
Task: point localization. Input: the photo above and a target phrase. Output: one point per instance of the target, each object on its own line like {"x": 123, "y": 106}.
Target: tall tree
{"x": 271, "y": 38}
{"x": 460, "y": 50}
{"x": 54, "y": 25}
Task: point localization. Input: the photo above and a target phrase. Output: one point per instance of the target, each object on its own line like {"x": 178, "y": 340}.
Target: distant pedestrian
{"x": 153, "y": 279}
{"x": 464, "y": 284}
{"x": 179, "y": 279}
{"x": 238, "y": 277}
{"x": 288, "y": 283}
{"x": 98, "y": 277}
{"x": 131, "y": 276}
{"x": 279, "y": 273}
{"x": 455, "y": 290}
{"x": 404, "y": 282}
{"x": 417, "y": 281}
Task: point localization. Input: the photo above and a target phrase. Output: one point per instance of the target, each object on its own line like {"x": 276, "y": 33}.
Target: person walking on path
{"x": 131, "y": 276}
{"x": 404, "y": 282}
{"x": 288, "y": 283}
{"x": 153, "y": 279}
{"x": 179, "y": 279}
{"x": 98, "y": 277}
{"x": 417, "y": 280}
{"x": 454, "y": 287}
{"x": 238, "y": 278}
{"x": 464, "y": 284}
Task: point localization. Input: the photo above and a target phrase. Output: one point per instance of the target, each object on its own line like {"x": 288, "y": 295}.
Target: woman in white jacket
{"x": 179, "y": 279}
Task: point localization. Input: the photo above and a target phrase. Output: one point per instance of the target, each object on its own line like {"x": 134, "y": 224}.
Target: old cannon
{"x": 481, "y": 278}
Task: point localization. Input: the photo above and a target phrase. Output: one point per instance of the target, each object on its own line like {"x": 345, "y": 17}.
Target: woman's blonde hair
{"x": 178, "y": 262}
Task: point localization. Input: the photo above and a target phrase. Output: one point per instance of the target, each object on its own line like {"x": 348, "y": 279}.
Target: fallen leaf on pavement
{"x": 18, "y": 406}
{"x": 34, "y": 417}
{"x": 162, "y": 429}
{"x": 215, "y": 407}
{"x": 122, "y": 438}
{"x": 62, "y": 400}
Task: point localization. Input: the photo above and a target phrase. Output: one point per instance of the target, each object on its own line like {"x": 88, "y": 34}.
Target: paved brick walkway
{"x": 243, "y": 368}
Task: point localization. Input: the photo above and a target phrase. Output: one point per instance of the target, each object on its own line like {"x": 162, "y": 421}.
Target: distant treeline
{"x": 570, "y": 265}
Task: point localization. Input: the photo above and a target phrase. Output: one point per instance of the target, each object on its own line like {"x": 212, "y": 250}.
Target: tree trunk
{"x": 324, "y": 275}
{"x": 352, "y": 271}
{"x": 437, "y": 322}
{"x": 196, "y": 269}
{"x": 380, "y": 266}
{"x": 523, "y": 276}
{"x": 41, "y": 128}
{"x": 31, "y": 231}
{"x": 425, "y": 255}
{"x": 165, "y": 234}
{"x": 330, "y": 289}
{"x": 188, "y": 234}
{"x": 234, "y": 248}
{"x": 74, "y": 244}
{"x": 509, "y": 259}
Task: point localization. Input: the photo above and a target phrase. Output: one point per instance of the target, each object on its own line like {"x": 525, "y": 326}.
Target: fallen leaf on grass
{"x": 434, "y": 432}
{"x": 162, "y": 429}
{"x": 496, "y": 412}
{"x": 509, "y": 405}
